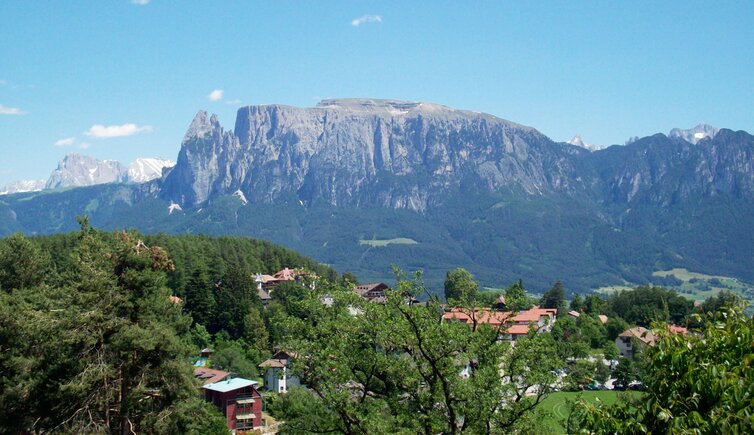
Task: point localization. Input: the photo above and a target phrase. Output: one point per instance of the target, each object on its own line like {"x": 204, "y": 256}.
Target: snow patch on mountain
{"x": 174, "y": 207}
{"x": 144, "y": 169}
{"x": 576, "y": 140}
{"x": 21, "y": 186}
{"x": 696, "y": 134}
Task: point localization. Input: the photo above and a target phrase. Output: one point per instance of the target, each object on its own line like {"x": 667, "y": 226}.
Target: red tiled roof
{"x": 518, "y": 330}
{"x": 675, "y": 329}
{"x": 482, "y": 316}
{"x": 209, "y": 376}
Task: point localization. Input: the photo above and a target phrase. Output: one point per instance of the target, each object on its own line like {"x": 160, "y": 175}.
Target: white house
{"x": 277, "y": 376}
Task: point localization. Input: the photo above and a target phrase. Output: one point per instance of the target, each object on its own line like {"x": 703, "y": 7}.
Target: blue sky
{"x": 117, "y": 79}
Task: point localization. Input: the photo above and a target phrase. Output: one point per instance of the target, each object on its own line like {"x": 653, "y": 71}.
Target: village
{"x": 242, "y": 401}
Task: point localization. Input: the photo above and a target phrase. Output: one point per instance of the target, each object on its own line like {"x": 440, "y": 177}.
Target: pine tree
{"x": 200, "y": 300}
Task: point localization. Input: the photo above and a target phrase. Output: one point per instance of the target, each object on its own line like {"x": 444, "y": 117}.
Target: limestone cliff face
{"x": 381, "y": 152}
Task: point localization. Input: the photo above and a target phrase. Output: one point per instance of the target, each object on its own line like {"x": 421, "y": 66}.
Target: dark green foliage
{"x": 724, "y": 299}
{"x": 199, "y": 297}
{"x": 615, "y": 326}
{"x": 460, "y": 287}
{"x": 23, "y": 264}
{"x": 234, "y": 356}
{"x": 644, "y": 305}
{"x": 577, "y": 303}
{"x": 554, "y": 297}
{"x": 594, "y": 304}
{"x": 103, "y": 351}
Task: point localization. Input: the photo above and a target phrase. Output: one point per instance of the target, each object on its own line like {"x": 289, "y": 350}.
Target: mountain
{"x": 365, "y": 184}
{"x": 577, "y": 141}
{"x": 23, "y": 186}
{"x": 354, "y": 152}
{"x": 694, "y": 135}
{"x": 76, "y": 170}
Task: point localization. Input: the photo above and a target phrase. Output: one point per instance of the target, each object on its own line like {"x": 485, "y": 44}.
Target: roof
{"x": 230, "y": 385}
{"x": 263, "y": 295}
{"x": 263, "y": 278}
{"x": 366, "y": 288}
{"x": 209, "y": 376}
{"x": 675, "y": 329}
{"x": 603, "y": 318}
{"x": 518, "y": 330}
{"x": 175, "y": 299}
{"x": 278, "y": 360}
{"x": 574, "y": 313}
{"x": 273, "y": 363}
{"x": 500, "y": 300}
{"x": 534, "y": 314}
{"x": 641, "y": 333}
{"x": 287, "y": 274}
{"x": 481, "y": 315}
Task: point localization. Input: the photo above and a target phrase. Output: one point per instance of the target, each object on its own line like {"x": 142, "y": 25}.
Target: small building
{"x": 374, "y": 292}
{"x": 633, "y": 339}
{"x": 238, "y": 400}
{"x": 277, "y": 376}
{"x": 575, "y": 314}
{"x": 603, "y": 318}
{"x": 500, "y": 304}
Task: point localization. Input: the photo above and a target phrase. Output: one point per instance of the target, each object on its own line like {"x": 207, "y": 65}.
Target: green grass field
{"x": 698, "y": 286}
{"x": 558, "y": 405}
{"x": 377, "y": 243}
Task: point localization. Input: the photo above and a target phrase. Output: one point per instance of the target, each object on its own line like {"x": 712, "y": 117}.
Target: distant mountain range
{"x": 361, "y": 184}
{"x": 76, "y": 170}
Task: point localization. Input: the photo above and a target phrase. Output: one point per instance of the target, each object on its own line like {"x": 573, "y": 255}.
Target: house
{"x": 276, "y": 372}
{"x": 204, "y": 357}
{"x": 541, "y": 318}
{"x": 500, "y": 304}
{"x": 374, "y": 292}
{"x": 633, "y": 339}
{"x": 238, "y": 400}
{"x": 267, "y": 283}
{"x": 512, "y": 326}
{"x": 209, "y": 376}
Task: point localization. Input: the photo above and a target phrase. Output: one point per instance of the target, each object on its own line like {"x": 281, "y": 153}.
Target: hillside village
{"x": 242, "y": 401}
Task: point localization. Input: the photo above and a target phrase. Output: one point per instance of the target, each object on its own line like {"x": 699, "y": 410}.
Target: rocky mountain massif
{"x": 76, "y": 170}
{"x": 363, "y": 184}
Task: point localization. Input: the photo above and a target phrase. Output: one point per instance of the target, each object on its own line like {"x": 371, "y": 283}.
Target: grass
{"x": 377, "y": 243}
{"x": 612, "y": 289}
{"x": 698, "y": 286}
{"x": 558, "y": 405}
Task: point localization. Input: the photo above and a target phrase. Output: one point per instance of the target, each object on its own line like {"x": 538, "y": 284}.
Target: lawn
{"x": 558, "y": 404}
{"x": 376, "y": 243}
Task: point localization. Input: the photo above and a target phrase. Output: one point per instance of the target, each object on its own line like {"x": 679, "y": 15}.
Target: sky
{"x": 122, "y": 79}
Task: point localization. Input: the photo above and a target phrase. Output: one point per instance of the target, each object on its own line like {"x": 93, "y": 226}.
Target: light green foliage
{"x": 396, "y": 368}
{"x": 235, "y": 357}
{"x": 460, "y": 287}
{"x": 695, "y": 384}
{"x": 610, "y": 351}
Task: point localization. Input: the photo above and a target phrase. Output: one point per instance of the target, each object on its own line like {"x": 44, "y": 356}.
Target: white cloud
{"x": 102, "y": 132}
{"x": 216, "y": 95}
{"x": 5, "y": 110}
{"x": 356, "y": 22}
{"x": 140, "y": 2}
{"x": 65, "y": 142}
